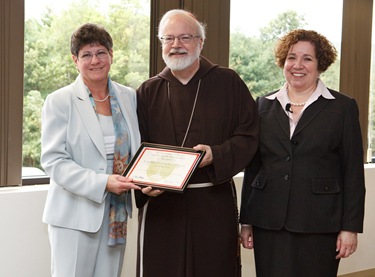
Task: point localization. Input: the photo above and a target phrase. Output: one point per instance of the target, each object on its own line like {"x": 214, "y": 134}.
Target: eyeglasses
{"x": 181, "y": 38}
{"x": 87, "y": 56}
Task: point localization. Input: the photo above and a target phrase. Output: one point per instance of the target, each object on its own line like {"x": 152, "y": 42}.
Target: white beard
{"x": 182, "y": 62}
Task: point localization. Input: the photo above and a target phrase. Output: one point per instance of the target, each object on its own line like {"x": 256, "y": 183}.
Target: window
{"x": 47, "y": 59}
{"x": 354, "y": 78}
{"x": 255, "y": 32}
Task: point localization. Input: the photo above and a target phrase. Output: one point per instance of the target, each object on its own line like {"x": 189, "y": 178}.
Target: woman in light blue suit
{"x": 89, "y": 134}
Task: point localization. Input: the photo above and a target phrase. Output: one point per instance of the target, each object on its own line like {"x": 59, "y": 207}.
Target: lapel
{"x": 124, "y": 102}
{"x": 310, "y": 113}
{"x": 89, "y": 118}
{"x": 120, "y": 97}
{"x": 282, "y": 118}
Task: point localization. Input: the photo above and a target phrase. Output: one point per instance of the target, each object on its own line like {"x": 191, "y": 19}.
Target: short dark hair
{"x": 90, "y": 33}
{"x": 324, "y": 50}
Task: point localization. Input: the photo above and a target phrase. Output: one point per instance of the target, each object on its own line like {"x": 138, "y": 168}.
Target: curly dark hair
{"x": 325, "y": 52}
{"x": 90, "y": 33}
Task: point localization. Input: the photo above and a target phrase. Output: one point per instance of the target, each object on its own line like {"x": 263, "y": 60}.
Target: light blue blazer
{"x": 73, "y": 155}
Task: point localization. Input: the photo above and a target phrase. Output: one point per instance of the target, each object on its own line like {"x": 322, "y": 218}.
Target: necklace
{"x": 98, "y": 100}
{"x": 192, "y": 112}
{"x": 297, "y": 104}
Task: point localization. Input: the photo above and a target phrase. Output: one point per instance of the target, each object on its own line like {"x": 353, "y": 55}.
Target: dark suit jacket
{"x": 313, "y": 182}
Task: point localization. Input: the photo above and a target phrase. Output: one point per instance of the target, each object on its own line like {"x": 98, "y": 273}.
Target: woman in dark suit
{"x": 303, "y": 195}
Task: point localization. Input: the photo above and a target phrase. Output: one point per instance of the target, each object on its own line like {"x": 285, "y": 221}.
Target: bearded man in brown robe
{"x": 194, "y": 103}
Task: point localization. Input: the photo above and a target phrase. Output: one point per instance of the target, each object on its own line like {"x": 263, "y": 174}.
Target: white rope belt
{"x": 199, "y": 185}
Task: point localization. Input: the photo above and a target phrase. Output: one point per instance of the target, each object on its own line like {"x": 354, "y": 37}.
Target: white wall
{"x": 24, "y": 247}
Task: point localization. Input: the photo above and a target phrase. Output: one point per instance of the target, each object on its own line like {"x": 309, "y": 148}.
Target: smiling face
{"x": 180, "y": 56}
{"x": 95, "y": 69}
{"x": 301, "y": 66}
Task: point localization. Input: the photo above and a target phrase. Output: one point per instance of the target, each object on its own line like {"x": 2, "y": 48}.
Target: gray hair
{"x": 200, "y": 27}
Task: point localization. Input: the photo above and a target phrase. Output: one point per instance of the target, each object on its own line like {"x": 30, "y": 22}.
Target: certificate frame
{"x": 163, "y": 166}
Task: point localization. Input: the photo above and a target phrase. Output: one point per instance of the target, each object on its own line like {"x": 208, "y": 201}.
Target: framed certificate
{"x": 163, "y": 166}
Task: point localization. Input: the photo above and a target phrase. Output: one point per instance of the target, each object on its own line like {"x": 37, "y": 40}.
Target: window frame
{"x": 11, "y": 90}
{"x": 355, "y": 66}
{"x": 354, "y": 69}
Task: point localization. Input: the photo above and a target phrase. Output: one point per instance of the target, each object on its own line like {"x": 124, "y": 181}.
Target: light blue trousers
{"x": 81, "y": 254}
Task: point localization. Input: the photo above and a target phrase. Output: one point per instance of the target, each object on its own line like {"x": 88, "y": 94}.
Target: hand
{"x": 152, "y": 192}
{"x": 208, "y": 158}
{"x": 119, "y": 184}
{"x": 346, "y": 244}
{"x": 247, "y": 236}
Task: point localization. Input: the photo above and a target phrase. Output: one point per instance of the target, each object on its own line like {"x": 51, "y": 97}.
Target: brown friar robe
{"x": 195, "y": 233}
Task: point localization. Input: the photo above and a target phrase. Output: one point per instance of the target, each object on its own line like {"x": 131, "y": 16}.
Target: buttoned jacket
{"x": 310, "y": 182}
{"x": 73, "y": 155}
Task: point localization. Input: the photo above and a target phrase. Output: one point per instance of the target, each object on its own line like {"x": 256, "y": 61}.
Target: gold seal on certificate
{"x": 163, "y": 166}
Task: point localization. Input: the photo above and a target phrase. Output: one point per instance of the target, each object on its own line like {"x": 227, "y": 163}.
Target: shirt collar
{"x": 282, "y": 95}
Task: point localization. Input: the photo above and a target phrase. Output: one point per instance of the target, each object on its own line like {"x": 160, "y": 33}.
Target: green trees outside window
{"x": 48, "y": 65}
{"x": 253, "y": 57}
